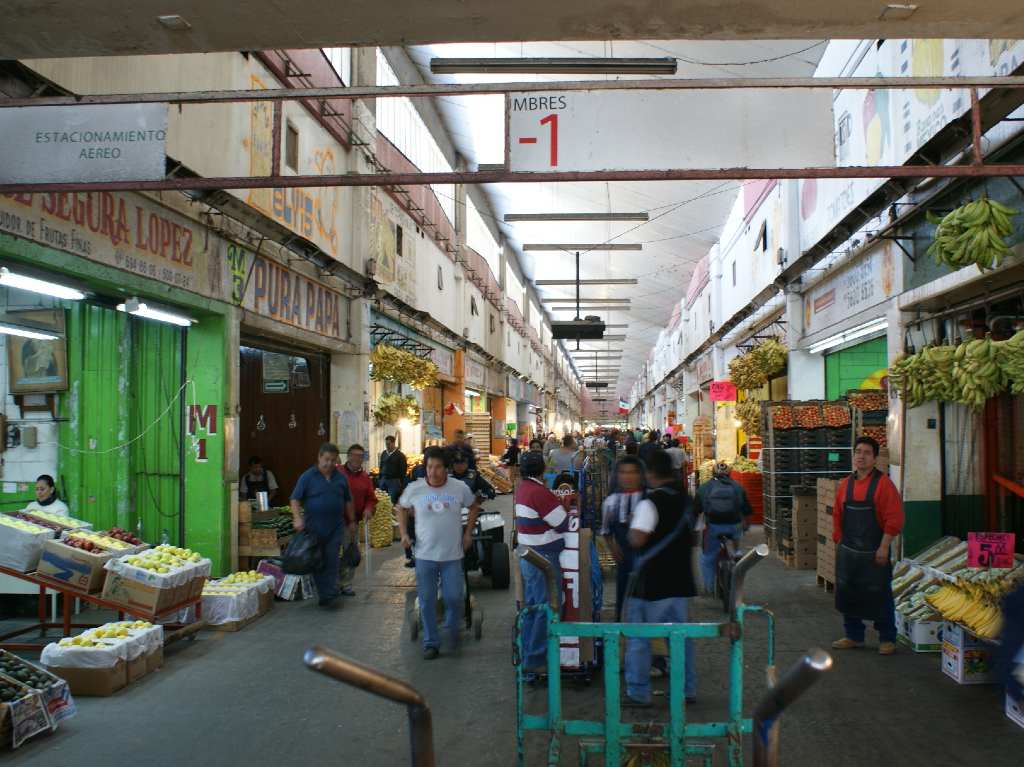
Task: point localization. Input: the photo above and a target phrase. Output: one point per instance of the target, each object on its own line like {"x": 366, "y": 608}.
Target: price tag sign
{"x": 990, "y": 550}
{"x": 723, "y": 391}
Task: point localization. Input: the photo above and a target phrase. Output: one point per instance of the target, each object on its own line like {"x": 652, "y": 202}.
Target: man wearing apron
{"x": 867, "y": 516}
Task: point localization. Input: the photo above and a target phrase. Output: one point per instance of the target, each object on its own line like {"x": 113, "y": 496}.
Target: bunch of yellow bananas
{"x": 974, "y": 605}
{"x": 753, "y": 369}
{"x": 382, "y": 530}
{"x": 400, "y": 366}
{"x": 969, "y": 373}
{"x": 1010, "y": 355}
{"x": 749, "y": 414}
{"x": 972, "y": 234}
{"x": 977, "y": 373}
{"x": 391, "y": 408}
{"x": 906, "y": 376}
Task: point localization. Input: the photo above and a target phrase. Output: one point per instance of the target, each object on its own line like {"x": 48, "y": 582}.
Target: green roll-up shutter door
{"x": 853, "y": 367}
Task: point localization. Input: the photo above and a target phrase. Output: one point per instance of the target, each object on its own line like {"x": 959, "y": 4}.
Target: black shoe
{"x": 328, "y": 604}
{"x": 628, "y": 702}
{"x": 410, "y": 563}
{"x": 430, "y": 653}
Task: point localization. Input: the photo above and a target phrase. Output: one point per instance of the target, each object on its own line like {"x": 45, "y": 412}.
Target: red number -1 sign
{"x": 552, "y": 120}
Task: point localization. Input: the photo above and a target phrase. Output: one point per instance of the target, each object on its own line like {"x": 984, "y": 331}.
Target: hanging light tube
{"x": 586, "y": 300}
{"x": 570, "y": 247}
{"x": 571, "y": 65}
{"x": 514, "y": 217}
{"x": 859, "y": 331}
{"x": 137, "y": 308}
{"x": 623, "y": 281}
{"x": 23, "y": 282}
{"x": 17, "y": 330}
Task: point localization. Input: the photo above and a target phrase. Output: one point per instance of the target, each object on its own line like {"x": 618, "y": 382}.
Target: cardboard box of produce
{"x": 80, "y": 569}
{"x": 154, "y": 660}
{"x": 827, "y": 491}
{"x": 920, "y": 636}
{"x": 966, "y": 658}
{"x": 805, "y": 517}
{"x": 266, "y": 601}
{"x": 141, "y": 598}
{"x": 136, "y": 669}
{"x": 95, "y": 682}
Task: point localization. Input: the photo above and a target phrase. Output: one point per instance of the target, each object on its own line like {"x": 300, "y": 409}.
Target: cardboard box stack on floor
{"x": 106, "y": 659}
{"x": 826, "y": 559}
{"x": 804, "y": 543}
{"x": 153, "y": 582}
{"x": 234, "y": 602}
{"x": 965, "y": 657}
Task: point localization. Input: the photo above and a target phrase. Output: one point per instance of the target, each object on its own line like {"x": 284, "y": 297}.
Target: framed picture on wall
{"x": 37, "y": 365}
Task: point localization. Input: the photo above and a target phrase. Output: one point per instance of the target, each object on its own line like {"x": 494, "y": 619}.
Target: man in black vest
{"x": 661, "y": 532}
{"x": 727, "y": 511}
{"x": 393, "y": 469}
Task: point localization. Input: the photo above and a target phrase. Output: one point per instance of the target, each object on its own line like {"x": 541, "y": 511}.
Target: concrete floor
{"x": 246, "y": 698}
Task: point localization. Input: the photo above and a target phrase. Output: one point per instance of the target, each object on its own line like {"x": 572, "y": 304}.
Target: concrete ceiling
{"x": 40, "y": 28}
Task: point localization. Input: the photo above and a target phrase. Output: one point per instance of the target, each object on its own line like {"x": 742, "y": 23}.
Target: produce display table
{"x": 174, "y": 631}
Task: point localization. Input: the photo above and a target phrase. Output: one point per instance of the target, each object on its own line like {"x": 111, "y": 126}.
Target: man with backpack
{"x": 727, "y": 512}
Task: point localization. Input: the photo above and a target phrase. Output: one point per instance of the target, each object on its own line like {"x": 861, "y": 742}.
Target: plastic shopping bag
{"x": 303, "y": 554}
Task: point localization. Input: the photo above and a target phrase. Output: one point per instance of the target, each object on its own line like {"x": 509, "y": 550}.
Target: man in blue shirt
{"x": 322, "y": 493}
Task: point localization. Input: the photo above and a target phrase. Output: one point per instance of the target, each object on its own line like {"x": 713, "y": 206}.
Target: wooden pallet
{"x": 826, "y": 584}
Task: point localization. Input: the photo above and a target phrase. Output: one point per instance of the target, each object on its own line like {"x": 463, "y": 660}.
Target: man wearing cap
{"x": 540, "y": 522}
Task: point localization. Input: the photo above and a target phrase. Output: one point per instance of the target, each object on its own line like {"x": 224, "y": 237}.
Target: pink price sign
{"x": 990, "y": 550}
{"x": 723, "y": 391}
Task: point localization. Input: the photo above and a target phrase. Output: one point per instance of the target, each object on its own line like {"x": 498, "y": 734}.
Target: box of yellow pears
{"x": 156, "y": 581}
{"x": 21, "y": 543}
{"x": 105, "y": 659}
{"x": 231, "y": 603}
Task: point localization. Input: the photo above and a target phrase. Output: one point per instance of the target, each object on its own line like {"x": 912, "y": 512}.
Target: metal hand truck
{"x": 613, "y": 737}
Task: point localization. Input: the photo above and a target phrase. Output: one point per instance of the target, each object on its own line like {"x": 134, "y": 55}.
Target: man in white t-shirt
{"x": 437, "y": 502}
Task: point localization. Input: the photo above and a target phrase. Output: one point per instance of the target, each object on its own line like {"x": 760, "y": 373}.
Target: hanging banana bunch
{"x": 1010, "y": 355}
{"x": 974, "y": 233}
{"x": 400, "y": 366}
{"x": 977, "y": 372}
{"x": 749, "y": 414}
{"x": 391, "y": 408}
{"x": 753, "y": 369}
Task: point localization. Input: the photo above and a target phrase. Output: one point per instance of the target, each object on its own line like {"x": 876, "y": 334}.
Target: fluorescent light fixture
{"x": 586, "y": 300}
{"x": 590, "y": 308}
{"x": 17, "y": 330}
{"x": 573, "y": 65}
{"x": 136, "y": 308}
{"x": 175, "y": 22}
{"x": 513, "y": 217}
{"x": 624, "y": 281}
{"x": 471, "y": 393}
{"x": 22, "y": 282}
{"x": 859, "y": 331}
{"x": 569, "y": 247}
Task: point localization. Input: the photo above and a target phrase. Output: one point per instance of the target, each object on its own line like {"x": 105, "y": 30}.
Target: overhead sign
{"x": 659, "y": 129}
{"x": 120, "y": 142}
{"x": 990, "y": 550}
{"x": 723, "y": 391}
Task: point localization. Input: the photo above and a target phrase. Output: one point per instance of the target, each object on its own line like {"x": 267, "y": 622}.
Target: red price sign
{"x": 723, "y": 391}
{"x": 990, "y": 550}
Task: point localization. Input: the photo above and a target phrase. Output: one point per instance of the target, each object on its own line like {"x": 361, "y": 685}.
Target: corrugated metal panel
{"x": 155, "y": 456}
{"x": 94, "y": 476}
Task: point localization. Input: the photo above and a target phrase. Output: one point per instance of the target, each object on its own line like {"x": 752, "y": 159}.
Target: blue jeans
{"x": 393, "y": 488}
{"x": 427, "y": 576}
{"x": 853, "y": 627}
{"x": 638, "y": 651}
{"x": 326, "y": 577}
{"x": 709, "y": 554}
{"x": 535, "y": 624}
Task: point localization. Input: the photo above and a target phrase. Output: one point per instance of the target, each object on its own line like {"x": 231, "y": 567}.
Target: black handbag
{"x": 351, "y": 557}
{"x": 302, "y": 556}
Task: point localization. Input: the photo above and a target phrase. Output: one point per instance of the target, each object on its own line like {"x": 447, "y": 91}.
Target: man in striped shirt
{"x": 540, "y": 522}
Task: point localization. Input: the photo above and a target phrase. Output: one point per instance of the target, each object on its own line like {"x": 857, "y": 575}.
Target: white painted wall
{"x": 21, "y": 465}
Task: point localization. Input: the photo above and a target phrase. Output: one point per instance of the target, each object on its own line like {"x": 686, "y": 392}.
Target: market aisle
{"x": 232, "y": 699}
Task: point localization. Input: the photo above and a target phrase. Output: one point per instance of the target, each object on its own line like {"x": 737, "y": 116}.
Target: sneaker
{"x": 348, "y": 591}
{"x": 846, "y": 644}
{"x": 886, "y": 648}
{"x": 410, "y": 563}
{"x": 430, "y": 653}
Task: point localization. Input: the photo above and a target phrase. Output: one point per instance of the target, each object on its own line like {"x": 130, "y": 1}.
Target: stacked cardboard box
{"x": 965, "y": 657}
{"x": 826, "y": 559}
{"x": 805, "y": 532}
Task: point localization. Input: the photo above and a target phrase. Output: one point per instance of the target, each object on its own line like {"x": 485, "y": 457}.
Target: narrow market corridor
{"x": 248, "y": 698}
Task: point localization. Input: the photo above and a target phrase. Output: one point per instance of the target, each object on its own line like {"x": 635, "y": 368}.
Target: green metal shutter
{"x": 850, "y": 368}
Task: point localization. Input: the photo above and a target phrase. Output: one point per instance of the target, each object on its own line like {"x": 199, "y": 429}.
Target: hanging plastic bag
{"x": 351, "y": 557}
{"x": 303, "y": 554}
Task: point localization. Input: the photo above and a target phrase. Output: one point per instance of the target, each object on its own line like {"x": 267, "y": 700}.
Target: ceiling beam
{"x": 591, "y": 308}
{"x": 515, "y": 217}
{"x": 588, "y": 246}
{"x": 624, "y": 281}
{"x": 472, "y": 89}
{"x": 586, "y": 300}
{"x": 573, "y": 65}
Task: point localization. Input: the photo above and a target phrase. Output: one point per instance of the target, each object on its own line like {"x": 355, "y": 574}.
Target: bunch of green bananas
{"x": 1010, "y": 354}
{"x": 749, "y": 415}
{"x": 972, "y": 234}
{"x": 906, "y": 376}
{"x": 977, "y": 372}
{"x": 400, "y": 366}
{"x": 391, "y": 408}
{"x": 753, "y": 369}
{"x": 937, "y": 366}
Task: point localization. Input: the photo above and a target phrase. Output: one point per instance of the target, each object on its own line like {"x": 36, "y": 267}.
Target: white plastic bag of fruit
{"x": 21, "y": 543}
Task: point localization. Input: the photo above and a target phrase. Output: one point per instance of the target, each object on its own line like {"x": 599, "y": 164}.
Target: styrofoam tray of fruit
{"x": 98, "y": 543}
{"x": 61, "y": 521}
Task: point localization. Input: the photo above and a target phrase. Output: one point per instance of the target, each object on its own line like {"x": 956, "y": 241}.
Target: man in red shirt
{"x": 360, "y": 485}
{"x": 867, "y": 516}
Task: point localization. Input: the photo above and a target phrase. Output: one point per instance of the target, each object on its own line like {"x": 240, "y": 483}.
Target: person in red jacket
{"x": 866, "y": 516}
{"x": 360, "y": 485}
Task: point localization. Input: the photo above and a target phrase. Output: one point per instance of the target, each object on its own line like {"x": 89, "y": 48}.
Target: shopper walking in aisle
{"x": 364, "y": 501}
{"x": 46, "y": 497}
{"x": 866, "y": 516}
{"x": 437, "y": 502}
{"x": 551, "y": 444}
{"x": 540, "y": 522}
{"x": 462, "y": 442}
{"x": 510, "y": 458}
{"x": 661, "y": 533}
{"x": 561, "y": 459}
{"x": 258, "y": 479}
{"x": 726, "y": 510}
{"x": 649, "y": 446}
{"x": 616, "y": 515}
{"x": 536, "y": 446}
{"x": 321, "y": 502}
{"x": 393, "y": 468}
